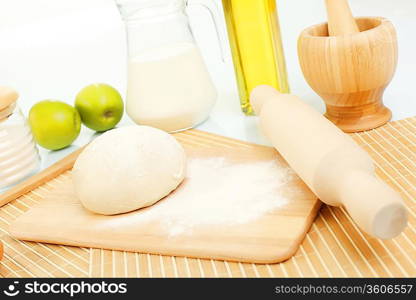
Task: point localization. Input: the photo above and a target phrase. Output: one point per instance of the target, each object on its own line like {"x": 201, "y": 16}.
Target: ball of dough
{"x": 128, "y": 168}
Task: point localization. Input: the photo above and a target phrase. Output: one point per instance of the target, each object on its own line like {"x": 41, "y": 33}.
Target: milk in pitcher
{"x": 169, "y": 88}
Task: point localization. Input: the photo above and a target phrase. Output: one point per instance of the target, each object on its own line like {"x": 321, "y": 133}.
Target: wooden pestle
{"x": 340, "y": 19}
{"x": 334, "y": 167}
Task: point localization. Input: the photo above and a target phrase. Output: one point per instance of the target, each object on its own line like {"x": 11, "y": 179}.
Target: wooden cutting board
{"x": 274, "y": 237}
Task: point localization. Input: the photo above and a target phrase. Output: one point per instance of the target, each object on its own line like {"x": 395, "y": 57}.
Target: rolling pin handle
{"x": 373, "y": 205}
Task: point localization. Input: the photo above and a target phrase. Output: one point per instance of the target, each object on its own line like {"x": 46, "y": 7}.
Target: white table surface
{"x": 50, "y": 49}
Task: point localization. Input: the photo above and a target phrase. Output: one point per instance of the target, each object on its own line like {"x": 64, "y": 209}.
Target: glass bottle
{"x": 19, "y": 157}
{"x": 255, "y": 40}
{"x": 168, "y": 83}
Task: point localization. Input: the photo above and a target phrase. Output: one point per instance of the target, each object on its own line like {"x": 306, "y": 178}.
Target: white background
{"x": 50, "y": 49}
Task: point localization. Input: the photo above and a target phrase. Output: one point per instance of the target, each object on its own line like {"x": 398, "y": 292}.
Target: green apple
{"x": 100, "y": 106}
{"x": 55, "y": 124}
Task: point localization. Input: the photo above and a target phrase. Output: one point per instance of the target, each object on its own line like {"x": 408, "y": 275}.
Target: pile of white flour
{"x": 218, "y": 192}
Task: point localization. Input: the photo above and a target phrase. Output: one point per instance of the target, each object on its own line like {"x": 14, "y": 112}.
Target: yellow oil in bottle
{"x": 256, "y": 46}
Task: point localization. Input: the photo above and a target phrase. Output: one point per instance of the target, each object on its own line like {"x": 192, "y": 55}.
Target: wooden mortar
{"x": 350, "y": 72}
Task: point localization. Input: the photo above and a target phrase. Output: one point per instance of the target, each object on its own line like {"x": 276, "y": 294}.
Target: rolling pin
{"x": 334, "y": 167}
{"x": 340, "y": 19}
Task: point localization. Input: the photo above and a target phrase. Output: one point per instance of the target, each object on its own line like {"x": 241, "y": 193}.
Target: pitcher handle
{"x": 217, "y": 18}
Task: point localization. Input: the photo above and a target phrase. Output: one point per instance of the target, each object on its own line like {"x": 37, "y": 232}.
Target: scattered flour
{"x": 218, "y": 192}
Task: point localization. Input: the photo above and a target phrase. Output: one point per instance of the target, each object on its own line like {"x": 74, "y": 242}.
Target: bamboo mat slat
{"x": 334, "y": 246}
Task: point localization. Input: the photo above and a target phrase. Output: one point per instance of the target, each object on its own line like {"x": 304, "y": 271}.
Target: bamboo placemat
{"x": 334, "y": 247}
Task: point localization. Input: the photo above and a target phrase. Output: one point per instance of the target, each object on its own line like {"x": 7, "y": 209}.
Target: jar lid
{"x": 8, "y": 97}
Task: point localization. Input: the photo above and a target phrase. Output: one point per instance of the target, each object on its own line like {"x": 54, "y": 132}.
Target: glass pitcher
{"x": 168, "y": 83}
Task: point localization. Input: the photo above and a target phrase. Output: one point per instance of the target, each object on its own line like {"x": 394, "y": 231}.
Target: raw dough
{"x": 128, "y": 168}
